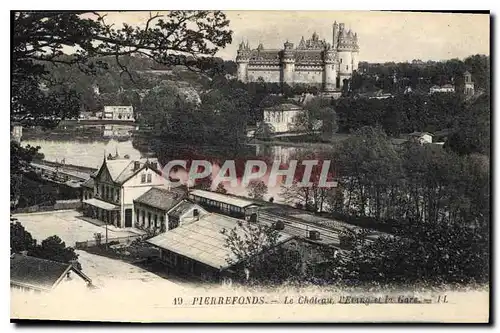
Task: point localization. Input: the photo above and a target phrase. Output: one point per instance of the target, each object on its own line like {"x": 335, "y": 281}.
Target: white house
{"x": 115, "y": 186}
{"x": 118, "y": 113}
{"x": 421, "y": 137}
{"x": 447, "y": 88}
{"x": 282, "y": 118}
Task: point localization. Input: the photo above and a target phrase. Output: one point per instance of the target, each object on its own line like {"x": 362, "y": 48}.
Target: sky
{"x": 382, "y": 36}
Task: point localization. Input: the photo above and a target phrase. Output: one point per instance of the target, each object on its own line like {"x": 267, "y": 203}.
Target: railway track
{"x": 327, "y": 236}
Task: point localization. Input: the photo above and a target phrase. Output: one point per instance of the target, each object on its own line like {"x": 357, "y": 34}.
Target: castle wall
{"x": 308, "y": 76}
{"x": 271, "y": 74}
{"x": 242, "y": 71}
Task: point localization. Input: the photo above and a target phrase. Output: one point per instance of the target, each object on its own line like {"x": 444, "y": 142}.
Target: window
{"x": 340, "y": 60}
{"x": 156, "y": 221}
{"x": 149, "y": 219}
{"x": 143, "y": 178}
{"x": 143, "y": 217}
{"x": 137, "y": 216}
{"x": 347, "y": 67}
{"x": 149, "y": 178}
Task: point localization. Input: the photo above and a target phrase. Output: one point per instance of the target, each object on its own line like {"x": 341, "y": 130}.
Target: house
{"x": 225, "y": 204}
{"x": 199, "y": 248}
{"x": 116, "y": 184}
{"x": 118, "y": 113}
{"x": 33, "y": 274}
{"x": 282, "y": 118}
{"x": 420, "y": 137}
{"x": 468, "y": 84}
{"x": 447, "y": 88}
{"x": 161, "y": 209}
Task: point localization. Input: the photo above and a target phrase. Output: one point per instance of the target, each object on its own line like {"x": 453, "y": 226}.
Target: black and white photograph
{"x": 209, "y": 166}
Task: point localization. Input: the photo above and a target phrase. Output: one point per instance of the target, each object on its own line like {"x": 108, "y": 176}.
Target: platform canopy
{"x": 101, "y": 204}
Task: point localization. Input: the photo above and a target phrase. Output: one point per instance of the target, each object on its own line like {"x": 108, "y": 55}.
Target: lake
{"x": 87, "y": 146}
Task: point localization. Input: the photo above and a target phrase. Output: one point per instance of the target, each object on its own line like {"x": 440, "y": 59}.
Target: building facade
{"x": 313, "y": 62}
{"x": 468, "y": 84}
{"x": 282, "y": 118}
{"x": 225, "y": 204}
{"x": 115, "y": 186}
{"x": 447, "y": 89}
{"x": 161, "y": 209}
{"x": 420, "y": 137}
{"x": 118, "y": 113}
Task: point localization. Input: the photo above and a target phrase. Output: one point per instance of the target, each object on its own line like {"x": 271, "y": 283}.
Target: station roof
{"x": 233, "y": 201}
{"x": 203, "y": 240}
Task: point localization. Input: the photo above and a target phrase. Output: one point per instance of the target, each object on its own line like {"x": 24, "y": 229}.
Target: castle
{"x": 312, "y": 62}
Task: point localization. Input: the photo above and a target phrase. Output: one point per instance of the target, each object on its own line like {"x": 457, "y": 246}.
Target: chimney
{"x": 137, "y": 165}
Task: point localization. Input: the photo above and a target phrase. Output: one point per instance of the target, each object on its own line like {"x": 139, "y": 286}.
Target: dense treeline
{"x": 401, "y": 113}
{"x": 422, "y": 75}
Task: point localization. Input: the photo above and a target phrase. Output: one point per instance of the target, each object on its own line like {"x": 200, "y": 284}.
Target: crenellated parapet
{"x": 311, "y": 61}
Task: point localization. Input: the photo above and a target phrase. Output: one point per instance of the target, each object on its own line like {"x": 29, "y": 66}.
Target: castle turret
{"x": 355, "y": 52}
{"x": 288, "y": 61}
{"x": 242, "y": 60}
{"x": 344, "y": 51}
{"x": 335, "y": 35}
{"x": 330, "y": 73}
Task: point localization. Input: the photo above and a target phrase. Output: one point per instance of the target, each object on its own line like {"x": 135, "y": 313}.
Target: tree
{"x": 40, "y": 39}
{"x": 221, "y": 189}
{"x": 52, "y": 248}
{"x": 256, "y": 248}
{"x": 20, "y": 239}
{"x": 257, "y": 189}
{"x": 264, "y": 130}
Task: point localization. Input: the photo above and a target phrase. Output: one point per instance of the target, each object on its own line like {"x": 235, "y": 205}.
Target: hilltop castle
{"x": 312, "y": 62}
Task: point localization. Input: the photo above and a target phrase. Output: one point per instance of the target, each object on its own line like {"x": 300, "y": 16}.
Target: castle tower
{"x": 242, "y": 60}
{"x": 335, "y": 36}
{"x": 355, "y": 52}
{"x": 288, "y": 63}
{"x": 330, "y": 73}
{"x": 344, "y": 51}
{"x": 468, "y": 84}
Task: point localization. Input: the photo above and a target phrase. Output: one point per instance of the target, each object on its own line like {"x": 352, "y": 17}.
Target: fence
{"x": 59, "y": 205}
{"x": 93, "y": 242}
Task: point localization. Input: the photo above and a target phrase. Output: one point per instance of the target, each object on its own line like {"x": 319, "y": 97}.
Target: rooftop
{"x": 222, "y": 198}
{"x": 38, "y": 273}
{"x": 181, "y": 208}
{"x": 284, "y": 107}
{"x": 420, "y": 134}
{"x": 122, "y": 169}
{"x": 88, "y": 183}
{"x": 160, "y": 197}
{"x": 203, "y": 241}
